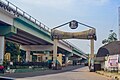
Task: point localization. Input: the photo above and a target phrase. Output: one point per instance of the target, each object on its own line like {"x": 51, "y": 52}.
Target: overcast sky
{"x": 101, "y": 14}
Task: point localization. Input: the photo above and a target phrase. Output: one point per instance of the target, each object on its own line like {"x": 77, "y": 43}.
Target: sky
{"x": 101, "y": 14}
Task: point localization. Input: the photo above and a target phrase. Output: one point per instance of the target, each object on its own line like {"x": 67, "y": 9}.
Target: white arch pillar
{"x": 55, "y": 52}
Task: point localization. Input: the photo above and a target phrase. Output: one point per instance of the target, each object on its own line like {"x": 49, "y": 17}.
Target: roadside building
{"x": 108, "y": 56}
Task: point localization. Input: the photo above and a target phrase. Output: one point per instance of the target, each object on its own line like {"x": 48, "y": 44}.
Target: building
{"x": 108, "y": 56}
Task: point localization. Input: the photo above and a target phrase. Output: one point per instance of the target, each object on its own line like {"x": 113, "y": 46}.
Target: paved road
{"x": 44, "y": 72}
{"x": 77, "y": 74}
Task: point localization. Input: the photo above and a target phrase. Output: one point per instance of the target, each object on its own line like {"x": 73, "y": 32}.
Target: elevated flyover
{"x": 19, "y": 27}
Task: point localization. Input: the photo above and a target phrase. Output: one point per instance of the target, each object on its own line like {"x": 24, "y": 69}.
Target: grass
{"x": 29, "y": 70}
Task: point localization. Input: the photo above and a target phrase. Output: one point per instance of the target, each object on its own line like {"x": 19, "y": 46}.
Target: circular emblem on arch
{"x": 73, "y": 24}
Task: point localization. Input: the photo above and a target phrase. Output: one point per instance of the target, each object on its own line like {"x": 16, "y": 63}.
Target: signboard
{"x": 7, "y": 56}
{"x": 73, "y": 24}
{"x": 87, "y": 34}
{"x": 113, "y": 61}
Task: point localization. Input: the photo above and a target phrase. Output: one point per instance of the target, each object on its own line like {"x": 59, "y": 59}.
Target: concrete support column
{"x": 2, "y": 49}
{"x": 27, "y": 56}
{"x": 55, "y": 51}
{"x": 44, "y": 58}
{"x": 37, "y": 59}
{"x": 66, "y": 60}
{"x": 30, "y": 58}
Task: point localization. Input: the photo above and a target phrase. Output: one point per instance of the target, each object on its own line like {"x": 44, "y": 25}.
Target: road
{"x": 43, "y": 72}
{"x": 77, "y": 74}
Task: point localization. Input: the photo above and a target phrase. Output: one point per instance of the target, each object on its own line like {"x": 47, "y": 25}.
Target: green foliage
{"x": 34, "y": 58}
{"x": 23, "y": 55}
{"x": 13, "y": 49}
{"x": 112, "y": 37}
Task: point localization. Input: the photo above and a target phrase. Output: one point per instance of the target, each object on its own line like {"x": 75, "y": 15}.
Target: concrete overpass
{"x": 19, "y": 27}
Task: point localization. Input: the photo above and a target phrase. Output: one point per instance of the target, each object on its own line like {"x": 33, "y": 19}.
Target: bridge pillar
{"x": 2, "y": 49}
{"x": 28, "y": 56}
{"x": 66, "y": 57}
{"x": 66, "y": 60}
{"x": 38, "y": 58}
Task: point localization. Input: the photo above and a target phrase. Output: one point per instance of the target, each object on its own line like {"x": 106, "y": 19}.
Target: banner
{"x": 113, "y": 61}
{"x": 87, "y": 34}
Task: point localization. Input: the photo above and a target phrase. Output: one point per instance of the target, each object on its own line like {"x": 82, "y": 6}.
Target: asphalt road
{"x": 77, "y": 74}
{"x": 40, "y": 73}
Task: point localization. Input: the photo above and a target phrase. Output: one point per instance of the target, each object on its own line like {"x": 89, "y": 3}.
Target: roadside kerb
{"x": 108, "y": 74}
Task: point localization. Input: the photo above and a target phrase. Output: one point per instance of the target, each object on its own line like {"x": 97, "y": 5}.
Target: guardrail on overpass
{"x": 12, "y": 9}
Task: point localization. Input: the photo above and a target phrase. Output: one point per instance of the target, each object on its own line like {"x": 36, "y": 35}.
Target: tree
{"x": 112, "y": 37}
{"x": 13, "y": 49}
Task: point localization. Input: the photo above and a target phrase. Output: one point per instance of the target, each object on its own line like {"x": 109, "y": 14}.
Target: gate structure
{"x": 87, "y": 35}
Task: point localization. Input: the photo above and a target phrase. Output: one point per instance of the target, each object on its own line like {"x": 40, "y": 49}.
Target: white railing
{"x": 12, "y": 9}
